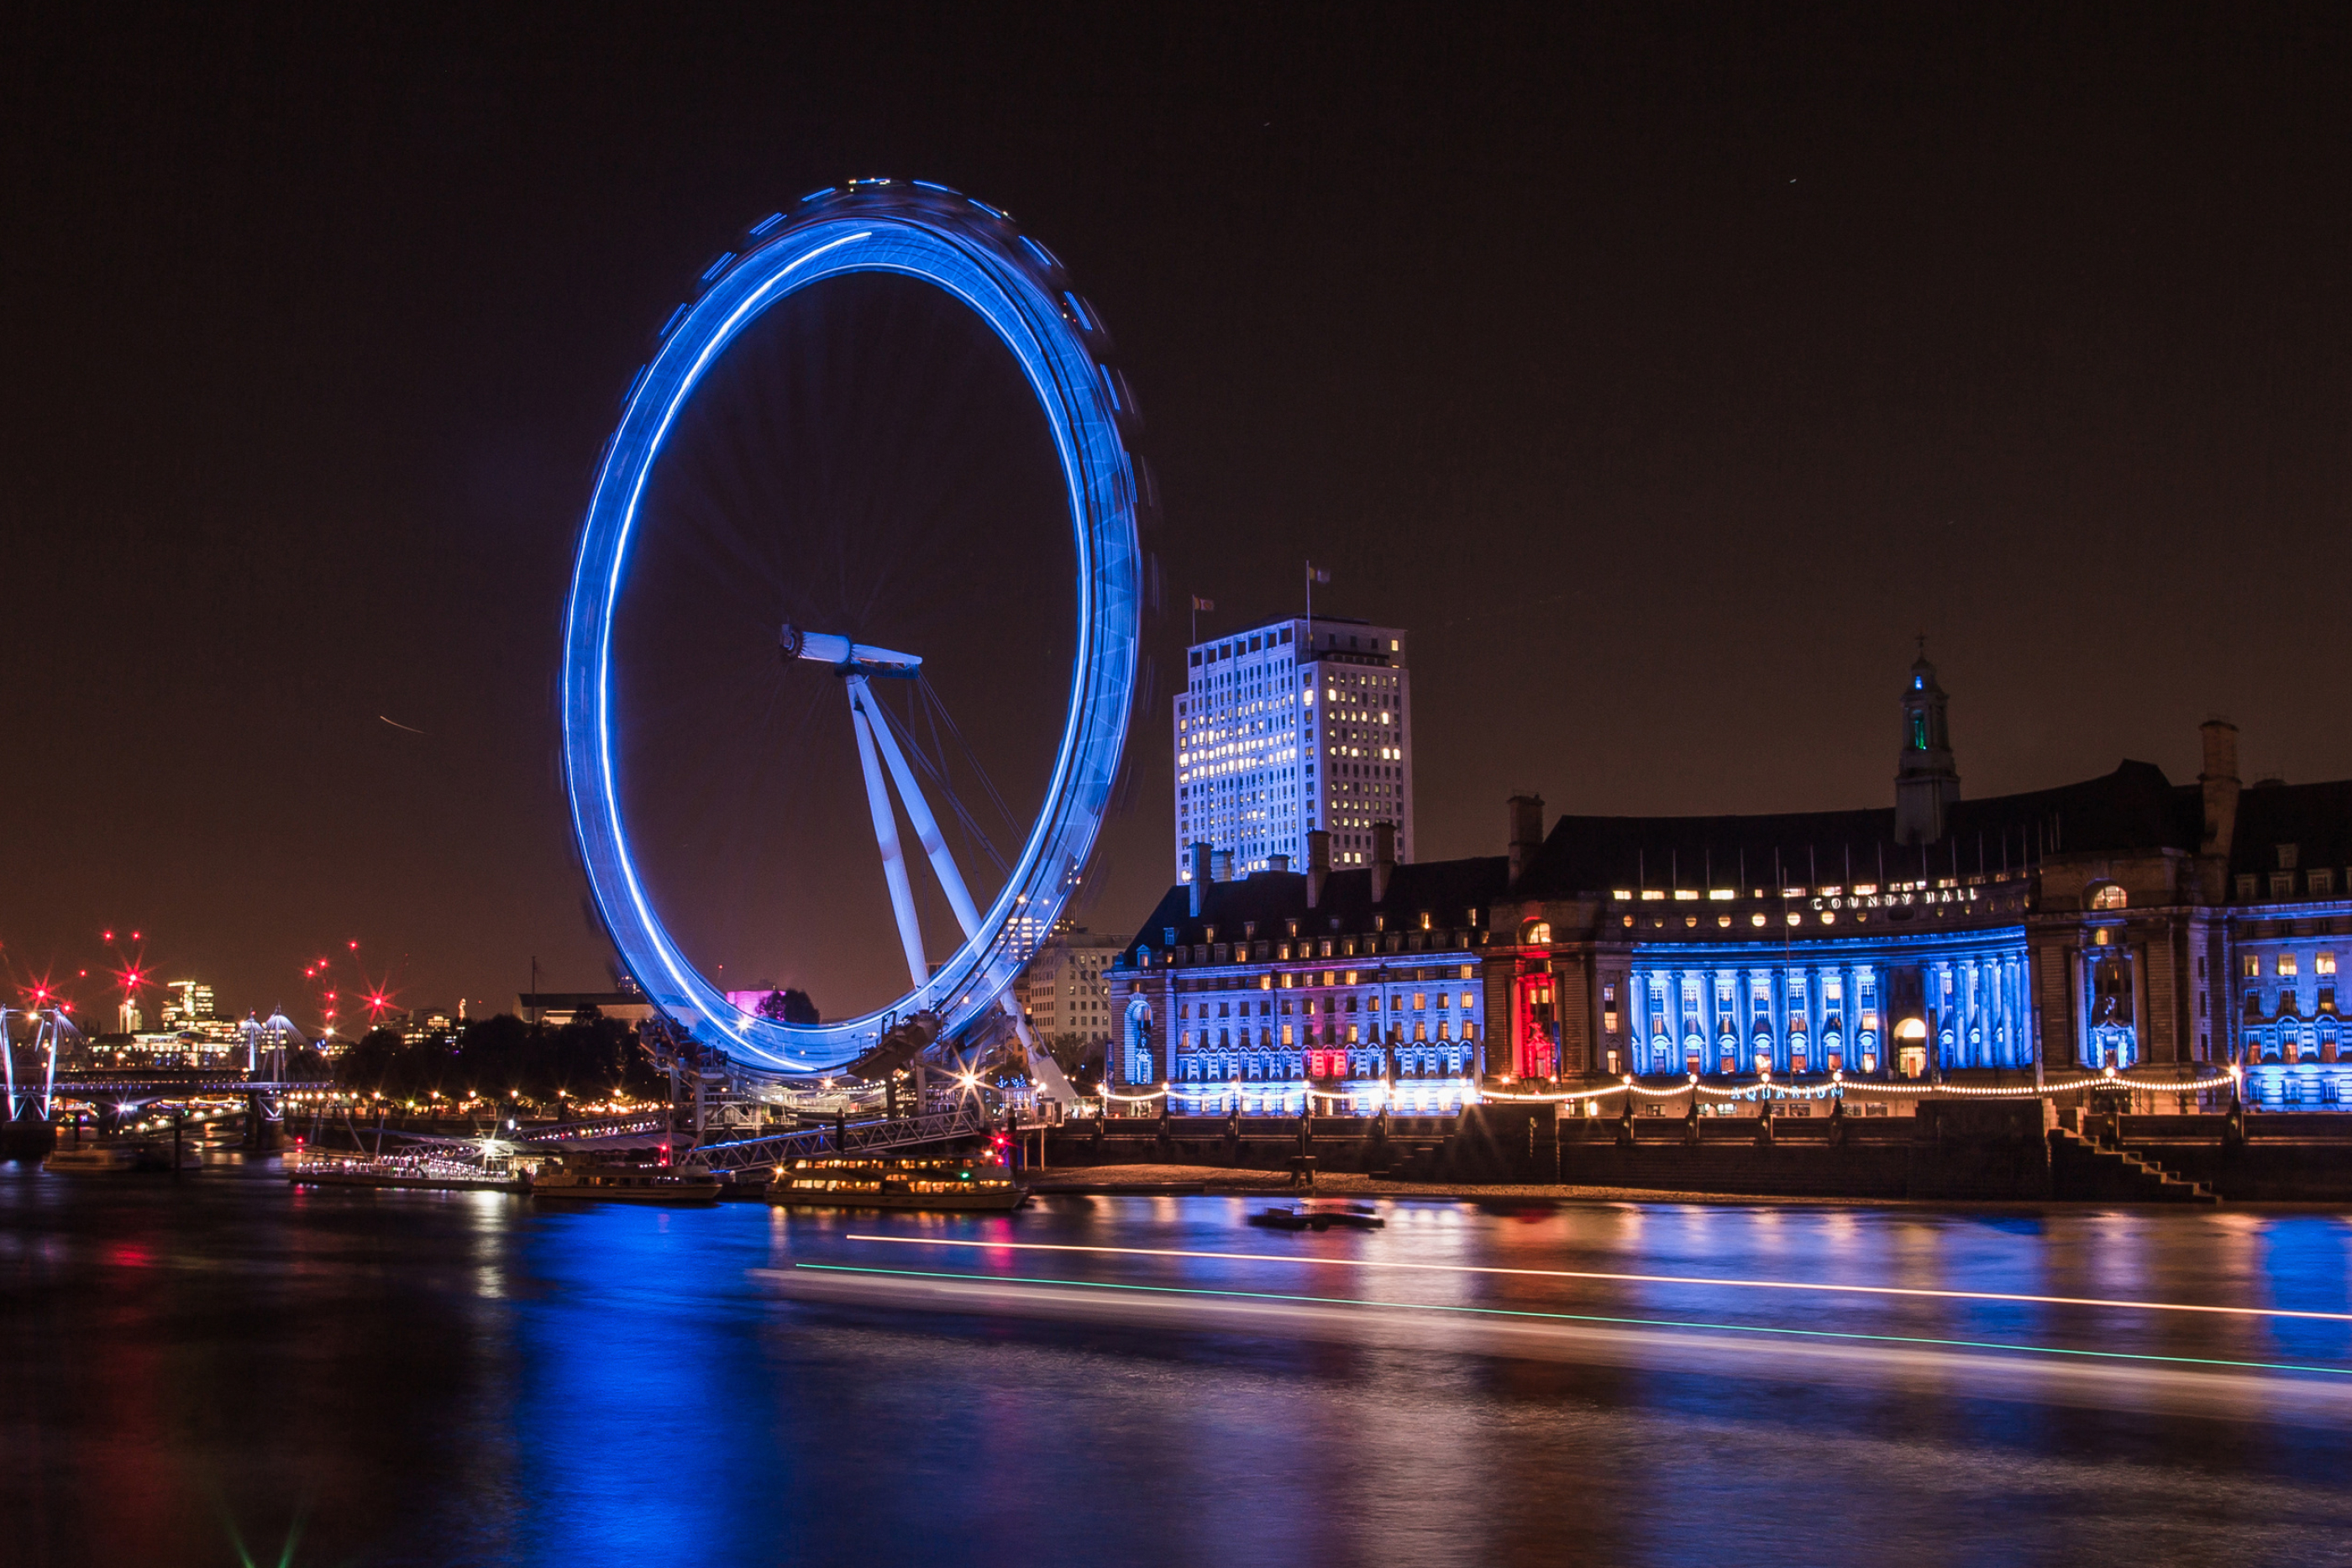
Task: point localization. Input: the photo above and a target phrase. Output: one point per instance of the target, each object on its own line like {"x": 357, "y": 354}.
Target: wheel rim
{"x": 971, "y": 252}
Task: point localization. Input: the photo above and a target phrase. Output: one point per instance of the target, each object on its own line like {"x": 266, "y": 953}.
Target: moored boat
{"x": 92, "y": 1159}
{"x": 937, "y": 1186}
{"x": 421, "y": 1172}
{"x": 615, "y": 1183}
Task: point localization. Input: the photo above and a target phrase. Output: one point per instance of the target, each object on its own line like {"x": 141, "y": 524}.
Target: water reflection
{"x": 425, "y": 1378}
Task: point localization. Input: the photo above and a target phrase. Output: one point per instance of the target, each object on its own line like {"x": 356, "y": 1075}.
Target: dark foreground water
{"x": 193, "y": 1375}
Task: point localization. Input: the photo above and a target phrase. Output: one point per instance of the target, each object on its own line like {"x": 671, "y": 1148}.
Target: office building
{"x": 1292, "y": 728}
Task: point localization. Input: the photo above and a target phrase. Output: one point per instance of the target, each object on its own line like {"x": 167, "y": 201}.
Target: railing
{"x": 225, "y": 1081}
{"x": 653, "y": 1121}
{"x": 965, "y": 1121}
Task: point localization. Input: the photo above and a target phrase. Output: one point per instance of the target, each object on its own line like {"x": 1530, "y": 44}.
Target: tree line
{"x": 503, "y": 1058}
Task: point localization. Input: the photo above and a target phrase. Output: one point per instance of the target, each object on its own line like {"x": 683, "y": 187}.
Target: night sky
{"x": 1664, "y": 370}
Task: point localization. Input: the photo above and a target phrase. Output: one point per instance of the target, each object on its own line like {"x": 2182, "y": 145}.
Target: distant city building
{"x": 173, "y": 1048}
{"x": 1287, "y": 728}
{"x": 2123, "y": 921}
{"x": 418, "y": 1028}
{"x": 1024, "y": 934}
{"x": 1064, "y": 990}
{"x": 127, "y": 1018}
{"x": 192, "y": 1002}
{"x": 560, "y": 1008}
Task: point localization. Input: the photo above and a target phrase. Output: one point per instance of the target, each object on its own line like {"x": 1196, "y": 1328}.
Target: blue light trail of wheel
{"x": 973, "y": 253}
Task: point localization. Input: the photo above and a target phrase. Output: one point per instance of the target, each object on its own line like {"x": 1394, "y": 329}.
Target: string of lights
{"x": 1840, "y": 1085}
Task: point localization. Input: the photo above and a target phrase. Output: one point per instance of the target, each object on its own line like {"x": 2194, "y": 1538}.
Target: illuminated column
{"x": 2005, "y": 1009}
{"x": 1970, "y": 1024}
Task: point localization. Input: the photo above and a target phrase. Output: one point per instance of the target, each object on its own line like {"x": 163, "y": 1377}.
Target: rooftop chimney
{"x": 1383, "y": 858}
{"x": 1278, "y": 862}
{"x": 2219, "y": 784}
{"x": 1318, "y": 864}
{"x": 1526, "y": 832}
{"x": 1199, "y": 879}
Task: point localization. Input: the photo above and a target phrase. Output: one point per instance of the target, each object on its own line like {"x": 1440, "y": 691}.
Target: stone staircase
{"x": 2082, "y": 1168}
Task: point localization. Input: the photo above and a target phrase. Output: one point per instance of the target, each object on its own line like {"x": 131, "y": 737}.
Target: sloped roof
{"x": 2135, "y": 807}
{"x": 2315, "y": 818}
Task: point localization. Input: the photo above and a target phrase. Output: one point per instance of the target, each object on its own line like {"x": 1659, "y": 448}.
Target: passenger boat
{"x": 92, "y": 1159}
{"x": 616, "y": 1183}
{"x": 942, "y": 1187}
{"x": 1320, "y": 1217}
{"x": 425, "y": 1172}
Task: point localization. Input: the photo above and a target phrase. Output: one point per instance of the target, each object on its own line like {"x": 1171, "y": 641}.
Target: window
{"x": 2107, "y": 895}
{"x": 2282, "y": 884}
{"x": 2323, "y": 963}
{"x": 2287, "y": 964}
{"x": 2253, "y": 965}
{"x": 2322, "y": 883}
{"x": 1536, "y": 933}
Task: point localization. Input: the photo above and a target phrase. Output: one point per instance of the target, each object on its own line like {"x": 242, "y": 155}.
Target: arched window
{"x": 1535, "y": 933}
{"x": 2109, "y": 896}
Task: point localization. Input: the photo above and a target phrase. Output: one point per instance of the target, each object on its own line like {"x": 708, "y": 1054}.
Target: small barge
{"x": 1320, "y": 1217}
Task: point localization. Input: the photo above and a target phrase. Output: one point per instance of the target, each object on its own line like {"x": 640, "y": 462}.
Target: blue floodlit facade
{"x": 2123, "y": 921}
{"x": 1282, "y": 989}
{"x": 970, "y": 251}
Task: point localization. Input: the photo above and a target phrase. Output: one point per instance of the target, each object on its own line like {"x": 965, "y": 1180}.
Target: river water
{"x": 229, "y": 1370}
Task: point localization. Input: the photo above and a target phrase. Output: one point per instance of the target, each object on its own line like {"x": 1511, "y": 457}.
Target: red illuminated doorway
{"x": 1539, "y": 1030}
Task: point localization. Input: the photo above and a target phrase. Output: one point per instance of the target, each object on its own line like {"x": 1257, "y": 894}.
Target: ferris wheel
{"x": 989, "y": 902}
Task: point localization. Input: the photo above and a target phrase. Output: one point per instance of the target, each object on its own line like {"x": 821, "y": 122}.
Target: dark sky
{"x": 1664, "y": 369}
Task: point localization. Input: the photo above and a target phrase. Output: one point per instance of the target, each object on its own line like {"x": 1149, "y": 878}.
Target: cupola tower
{"x": 1927, "y": 781}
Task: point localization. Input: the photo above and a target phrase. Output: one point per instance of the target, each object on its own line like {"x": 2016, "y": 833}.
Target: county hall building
{"x": 2123, "y": 921}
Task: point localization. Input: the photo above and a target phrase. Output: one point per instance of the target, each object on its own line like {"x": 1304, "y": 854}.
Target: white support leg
{"x": 885, "y": 835}
{"x": 49, "y": 1082}
{"x": 1044, "y": 1071}
{"x": 919, "y": 811}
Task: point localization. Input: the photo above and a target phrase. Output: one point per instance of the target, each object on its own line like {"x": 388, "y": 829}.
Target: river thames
{"x": 231, "y": 1370}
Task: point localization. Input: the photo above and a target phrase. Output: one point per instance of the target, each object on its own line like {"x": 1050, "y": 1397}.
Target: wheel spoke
{"x": 927, "y": 828}
{"x": 886, "y": 834}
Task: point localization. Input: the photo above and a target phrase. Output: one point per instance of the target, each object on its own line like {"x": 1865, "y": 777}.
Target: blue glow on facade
{"x": 1012, "y": 286}
{"x": 2291, "y": 1031}
{"x": 1828, "y": 1005}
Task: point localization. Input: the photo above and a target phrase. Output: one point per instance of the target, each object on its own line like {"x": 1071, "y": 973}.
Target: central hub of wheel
{"x": 846, "y": 657}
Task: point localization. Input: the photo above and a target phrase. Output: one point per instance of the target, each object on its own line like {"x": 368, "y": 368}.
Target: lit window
{"x": 2108, "y": 897}
{"x": 2253, "y": 965}
{"x": 2287, "y": 964}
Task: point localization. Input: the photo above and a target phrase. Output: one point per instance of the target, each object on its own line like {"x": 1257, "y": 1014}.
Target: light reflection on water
{"x": 438, "y": 1378}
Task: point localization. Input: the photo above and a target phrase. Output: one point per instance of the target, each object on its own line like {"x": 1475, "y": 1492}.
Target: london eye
{"x": 851, "y": 644}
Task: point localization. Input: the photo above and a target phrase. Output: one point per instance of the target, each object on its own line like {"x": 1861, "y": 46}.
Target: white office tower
{"x": 1290, "y": 726}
